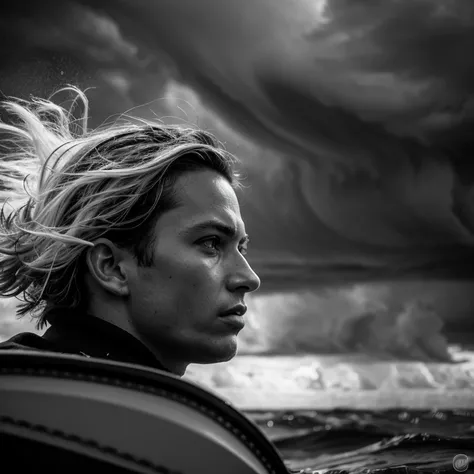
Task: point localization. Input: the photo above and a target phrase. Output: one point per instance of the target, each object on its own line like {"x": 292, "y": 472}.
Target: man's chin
{"x": 217, "y": 355}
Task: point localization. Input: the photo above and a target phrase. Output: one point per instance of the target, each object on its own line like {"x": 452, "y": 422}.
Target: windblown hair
{"x": 63, "y": 186}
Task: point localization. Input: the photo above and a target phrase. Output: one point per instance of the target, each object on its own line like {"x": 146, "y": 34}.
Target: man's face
{"x": 199, "y": 272}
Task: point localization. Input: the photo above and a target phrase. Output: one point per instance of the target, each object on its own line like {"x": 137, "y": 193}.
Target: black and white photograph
{"x": 237, "y": 237}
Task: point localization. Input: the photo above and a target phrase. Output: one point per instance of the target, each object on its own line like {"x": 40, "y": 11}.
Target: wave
{"x": 342, "y": 441}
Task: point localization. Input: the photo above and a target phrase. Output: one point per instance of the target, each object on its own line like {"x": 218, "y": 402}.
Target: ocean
{"x": 350, "y": 414}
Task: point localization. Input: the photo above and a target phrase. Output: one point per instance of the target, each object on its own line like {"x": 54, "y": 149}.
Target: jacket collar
{"x": 90, "y": 336}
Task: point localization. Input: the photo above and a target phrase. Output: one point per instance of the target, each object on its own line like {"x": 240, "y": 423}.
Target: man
{"x": 130, "y": 243}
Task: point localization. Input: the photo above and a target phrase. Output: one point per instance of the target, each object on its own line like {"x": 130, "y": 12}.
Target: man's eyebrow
{"x": 227, "y": 230}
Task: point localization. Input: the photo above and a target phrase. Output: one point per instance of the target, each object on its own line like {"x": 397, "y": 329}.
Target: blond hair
{"x": 63, "y": 186}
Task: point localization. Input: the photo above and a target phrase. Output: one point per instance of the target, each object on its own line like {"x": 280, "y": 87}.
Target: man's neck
{"x": 117, "y": 319}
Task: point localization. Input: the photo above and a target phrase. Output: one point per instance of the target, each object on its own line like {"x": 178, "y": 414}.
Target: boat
{"x": 67, "y": 413}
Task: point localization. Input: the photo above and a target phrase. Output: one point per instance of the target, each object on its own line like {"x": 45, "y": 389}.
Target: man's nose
{"x": 243, "y": 278}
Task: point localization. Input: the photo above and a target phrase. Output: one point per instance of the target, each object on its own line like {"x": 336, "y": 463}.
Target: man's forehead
{"x": 207, "y": 194}
{"x": 205, "y": 185}
{"x": 205, "y": 200}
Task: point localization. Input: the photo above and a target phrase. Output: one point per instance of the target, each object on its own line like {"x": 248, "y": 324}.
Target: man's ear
{"x": 107, "y": 266}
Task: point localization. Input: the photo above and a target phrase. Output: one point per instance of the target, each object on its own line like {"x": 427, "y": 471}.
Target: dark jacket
{"x": 88, "y": 336}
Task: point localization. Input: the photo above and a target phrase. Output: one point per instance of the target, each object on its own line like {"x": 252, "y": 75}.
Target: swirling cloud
{"x": 352, "y": 118}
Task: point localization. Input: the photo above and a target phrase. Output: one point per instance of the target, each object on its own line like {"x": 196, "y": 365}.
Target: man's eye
{"x": 211, "y": 243}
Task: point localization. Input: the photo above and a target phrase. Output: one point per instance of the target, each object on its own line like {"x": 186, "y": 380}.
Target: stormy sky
{"x": 353, "y": 118}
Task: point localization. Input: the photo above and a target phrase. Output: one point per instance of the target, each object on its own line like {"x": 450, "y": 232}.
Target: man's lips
{"x": 234, "y": 316}
{"x": 234, "y": 320}
{"x": 238, "y": 309}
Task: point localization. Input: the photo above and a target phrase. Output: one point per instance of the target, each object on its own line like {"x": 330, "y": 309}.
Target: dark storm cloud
{"x": 52, "y": 44}
{"x": 360, "y": 110}
{"x": 423, "y": 45}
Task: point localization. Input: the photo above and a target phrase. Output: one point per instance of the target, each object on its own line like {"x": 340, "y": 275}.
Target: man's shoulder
{"x": 26, "y": 341}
